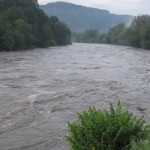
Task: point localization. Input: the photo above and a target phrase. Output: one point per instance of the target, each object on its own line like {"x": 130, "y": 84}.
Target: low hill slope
{"x": 80, "y": 18}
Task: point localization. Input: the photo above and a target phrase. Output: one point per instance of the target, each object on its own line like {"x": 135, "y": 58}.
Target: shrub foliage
{"x": 106, "y": 130}
{"x": 142, "y": 145}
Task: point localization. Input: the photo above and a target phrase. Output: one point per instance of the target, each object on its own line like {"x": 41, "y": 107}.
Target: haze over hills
{"x": 80, "y": 18}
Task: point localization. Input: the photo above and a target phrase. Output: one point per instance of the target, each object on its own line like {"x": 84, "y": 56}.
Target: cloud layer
{"x": 132, "y": 7}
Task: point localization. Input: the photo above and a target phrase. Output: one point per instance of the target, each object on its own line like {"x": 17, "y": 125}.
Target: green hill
{"x": 80, "y": 18}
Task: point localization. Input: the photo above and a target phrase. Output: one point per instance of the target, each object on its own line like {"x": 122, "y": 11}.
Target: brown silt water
{"x": 42, "y": 89}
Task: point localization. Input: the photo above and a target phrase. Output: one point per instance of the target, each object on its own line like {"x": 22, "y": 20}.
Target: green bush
{"x": 142, "y": 145}
{"x": 106, "y": 130}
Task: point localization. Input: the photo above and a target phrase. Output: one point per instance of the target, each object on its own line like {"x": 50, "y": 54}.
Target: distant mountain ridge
{"x": 80, "y": 18}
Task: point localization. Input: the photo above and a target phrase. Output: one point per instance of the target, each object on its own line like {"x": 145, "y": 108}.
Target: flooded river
{"x": 42, "y": 89}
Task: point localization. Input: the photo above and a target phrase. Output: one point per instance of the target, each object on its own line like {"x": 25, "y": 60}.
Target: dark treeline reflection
{"x": 136, "y": 35}
{"x": 23, "y": 25}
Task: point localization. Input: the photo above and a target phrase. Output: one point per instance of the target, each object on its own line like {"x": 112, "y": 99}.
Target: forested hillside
{"x": 79, "y": 18}
{"x": 23, "y": 25}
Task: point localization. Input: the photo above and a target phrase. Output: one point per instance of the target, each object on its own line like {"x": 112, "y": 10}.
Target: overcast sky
{"x": 132, "y": 7}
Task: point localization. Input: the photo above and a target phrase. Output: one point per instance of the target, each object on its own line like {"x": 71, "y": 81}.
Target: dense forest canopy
{"x": 136, "y": 35}
{"x": 23, "y": 25}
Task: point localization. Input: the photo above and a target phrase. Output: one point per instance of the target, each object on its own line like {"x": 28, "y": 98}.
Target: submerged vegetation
{"x": 23, "y": 25}
{"x": 136, "y": 35}
{"x": 116, "y": 129}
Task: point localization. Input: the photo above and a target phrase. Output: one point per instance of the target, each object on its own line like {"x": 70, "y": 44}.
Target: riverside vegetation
{"x": 23, "y": 25}
{"x": 136, "y": 35}
{"x": 116, "y": 129}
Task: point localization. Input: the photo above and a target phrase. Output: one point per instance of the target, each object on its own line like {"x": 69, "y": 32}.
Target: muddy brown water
{"x": 42, "y": 89}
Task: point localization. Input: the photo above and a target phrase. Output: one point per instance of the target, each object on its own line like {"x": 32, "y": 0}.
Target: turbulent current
{"x": 42, "y": 89}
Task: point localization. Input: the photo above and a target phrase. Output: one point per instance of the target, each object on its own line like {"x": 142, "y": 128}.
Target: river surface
{"x": 42, "y": 89}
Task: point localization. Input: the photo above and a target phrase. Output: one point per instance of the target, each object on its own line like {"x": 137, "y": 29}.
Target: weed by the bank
{"x": 142, "y": 145}
{"x": 106, "y": 130}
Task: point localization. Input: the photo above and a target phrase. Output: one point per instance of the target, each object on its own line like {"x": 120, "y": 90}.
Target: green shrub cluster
{"x": 106, "y": 130}
{"x": 142, "y": 145}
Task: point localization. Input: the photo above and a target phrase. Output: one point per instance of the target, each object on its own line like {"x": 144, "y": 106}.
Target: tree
{"x": 61, "y": 32}
{"x": 135, "y": 29}
{"x": 23, "y": 25}
{"x": 145, "y": 36}
{"x": 19, "y": 3}
{"x": 27, "y": 31}
{"x": 113, "y": 35}
{"x": 89, "y": 36}
{"x": 14, "y": 13}
{"x": 46, "y": 36}
{"x": 19, "y": 39}
{"x": 8, "y": 42}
